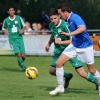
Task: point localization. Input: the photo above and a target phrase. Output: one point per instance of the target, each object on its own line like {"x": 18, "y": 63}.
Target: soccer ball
{"x": 31, "y": 72}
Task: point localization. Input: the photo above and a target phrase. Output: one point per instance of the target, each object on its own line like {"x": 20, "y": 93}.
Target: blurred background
{"x": 13, "y": 84}
{"x": 36, "y": 10}
{"x": 35, "y": 15}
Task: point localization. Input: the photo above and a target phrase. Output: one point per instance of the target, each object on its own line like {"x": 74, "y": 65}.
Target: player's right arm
{"x": 51, "y": 40}
{"x": 64, "y": 42}
{"x": 4, "y": 27}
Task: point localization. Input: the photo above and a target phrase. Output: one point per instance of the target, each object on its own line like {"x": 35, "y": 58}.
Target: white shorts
{"x": 86, "y": 54}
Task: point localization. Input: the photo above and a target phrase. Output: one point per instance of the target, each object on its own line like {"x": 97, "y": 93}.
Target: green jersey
{"x": 13, "y": 26}
{"x": 55, "y": 32}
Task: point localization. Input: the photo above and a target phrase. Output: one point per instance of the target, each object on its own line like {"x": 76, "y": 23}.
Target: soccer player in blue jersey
{"x": 60, "y": 41}
{"x": 81, "y": 45}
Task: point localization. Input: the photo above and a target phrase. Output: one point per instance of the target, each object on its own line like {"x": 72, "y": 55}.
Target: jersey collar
{"x": 59, "y": 23}
{"x": 13, "y": 18}
{"x": 69, "y": 16}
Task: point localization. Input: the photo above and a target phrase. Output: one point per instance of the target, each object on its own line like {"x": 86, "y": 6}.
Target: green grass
{"x": 15, "y": 86}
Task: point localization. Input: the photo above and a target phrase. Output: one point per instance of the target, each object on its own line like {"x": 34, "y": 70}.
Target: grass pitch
{"x": 15, "y": 86}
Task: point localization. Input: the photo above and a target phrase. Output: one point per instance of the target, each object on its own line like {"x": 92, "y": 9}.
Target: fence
{"x": 35, "y": 44}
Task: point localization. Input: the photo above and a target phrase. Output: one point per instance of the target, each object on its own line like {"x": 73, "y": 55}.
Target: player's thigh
{"x": 15, "y": 47}
{"x": 61, "y": 60}
{"x": 21, "y": 46}
{"x": 52, "y": 70}
{"x": 53, "y": 60}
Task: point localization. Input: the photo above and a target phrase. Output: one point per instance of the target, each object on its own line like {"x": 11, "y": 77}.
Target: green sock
{"x": 21, "y": 63}
{"x": 90, "y": 77}
{"x": 23, "y": 59}
{"x": 67, "y": 75}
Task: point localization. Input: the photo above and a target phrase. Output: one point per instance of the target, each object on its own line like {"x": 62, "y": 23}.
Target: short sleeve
{"x": 4, "y": 26}
{"x": 78, "y": 21}
{"x": 22, "y": 22}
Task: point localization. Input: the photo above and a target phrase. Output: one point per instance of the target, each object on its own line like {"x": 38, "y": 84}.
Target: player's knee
{"x": 18, "y": 55}
{"x": 23, "y": 55}
{"x": 52, "y": 71}
{"x": 81, "y": 73}
{"x": 58, "y": 64}
{"x": 91, "y": 68}
{"x": 92, "y": 71}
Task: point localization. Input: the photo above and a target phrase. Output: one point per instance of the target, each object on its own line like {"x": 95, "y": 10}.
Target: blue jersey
{"x": 81, "y": 40}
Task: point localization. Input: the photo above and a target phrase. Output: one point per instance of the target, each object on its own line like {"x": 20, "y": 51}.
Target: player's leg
{"x": 67, "y": 76}
{"x": 23, "y": 57}
{"x": 91, "y": 66}
{"x": 21, "y": 54}
{"x": 88, "y": 58}
{"x": 20, "y": 62}
{"x": 15, "y": 45}
{"x": 59, "y": 75}
{"x": 22, "y": 48}
{"x": 64, "y": 57}
{"x": 52, "y": 69}
{"x": 88, "y": 76}
{"x": 78, "y": 65}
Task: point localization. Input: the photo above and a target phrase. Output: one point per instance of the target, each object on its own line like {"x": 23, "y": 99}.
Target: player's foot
{"x": 23, "y": 58}
{"x": 97, "y": 88}
{"x": 67, "y": 80}
{"x": 23, "y": 69}
{"x": 98, "y": 84}
{"x": 57, "y": 90}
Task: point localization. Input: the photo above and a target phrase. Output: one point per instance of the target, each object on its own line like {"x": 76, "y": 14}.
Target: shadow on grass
{"x": 71, "y": 90}
{"x": 10, "y": 69}
{"x": 81, "y": 91}
{"x": 28, "y": 96}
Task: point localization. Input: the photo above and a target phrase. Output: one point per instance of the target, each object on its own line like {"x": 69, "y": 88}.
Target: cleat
{"x": 97, "y": 88}
{"x": 57, "y": 90}
{"x": 23, "y": 69}
{"x": 67, "y": 80}
{"x": 98, "y": 84}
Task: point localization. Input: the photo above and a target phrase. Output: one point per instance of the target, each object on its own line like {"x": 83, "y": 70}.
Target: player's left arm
{"x": 23, "y": 26}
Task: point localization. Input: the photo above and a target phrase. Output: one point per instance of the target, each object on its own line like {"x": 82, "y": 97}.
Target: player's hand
{"x": 5, "y": 32}
{"x": 58, "y": 40}
{"x": 47, "y": 48}
{"x": 22, "y": 31}
{"x": 64, "y": 33}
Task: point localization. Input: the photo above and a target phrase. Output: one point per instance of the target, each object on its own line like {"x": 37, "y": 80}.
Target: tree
{"x": 31, "y": 10}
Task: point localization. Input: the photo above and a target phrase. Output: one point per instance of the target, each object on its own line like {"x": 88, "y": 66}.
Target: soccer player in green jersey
{"x": 60, "y": 41}
{"x": 14, "y": 26}
{"x": 58, "y": 47}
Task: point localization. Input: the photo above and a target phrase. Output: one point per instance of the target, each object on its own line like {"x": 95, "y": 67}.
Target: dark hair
{"x": 11, "y": 7}
{"x": 64, "y": 7}
{"x": 53, "y": 11}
